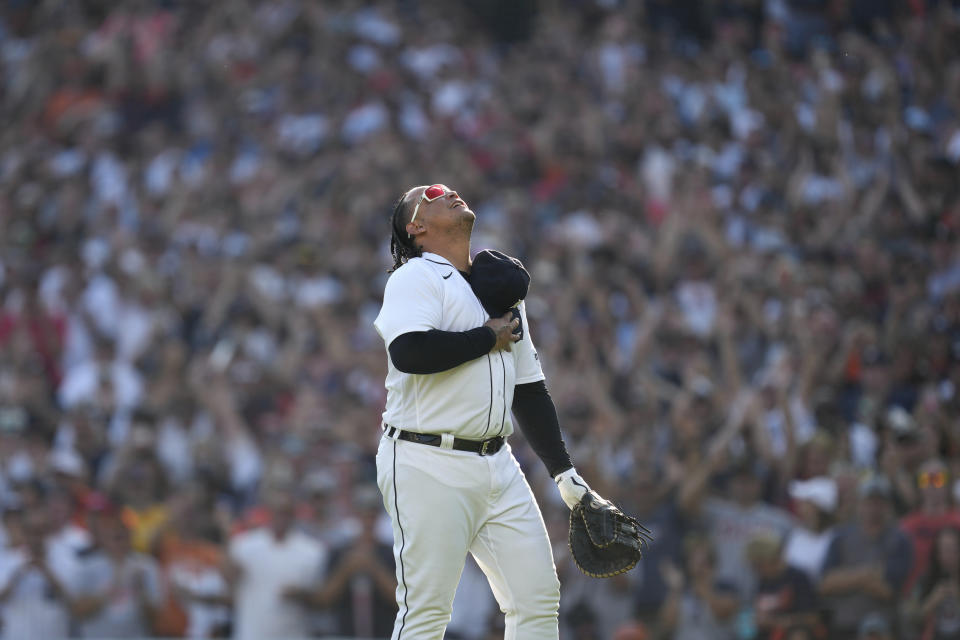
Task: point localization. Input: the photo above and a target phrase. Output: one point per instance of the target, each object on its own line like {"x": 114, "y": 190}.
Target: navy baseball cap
{"x": 499, "y": 281}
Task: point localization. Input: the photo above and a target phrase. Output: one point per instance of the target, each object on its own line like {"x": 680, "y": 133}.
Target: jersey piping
{"x": 403, "y": 576}
{"x": 490, "y": 404}
{"x": 503, "y": 416}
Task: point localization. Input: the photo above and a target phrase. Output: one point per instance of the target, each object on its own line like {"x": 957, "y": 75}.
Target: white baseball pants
{"x": 446, "y": 503}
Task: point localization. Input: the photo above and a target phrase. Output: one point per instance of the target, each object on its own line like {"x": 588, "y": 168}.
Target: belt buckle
{"x": 483, "y": 447}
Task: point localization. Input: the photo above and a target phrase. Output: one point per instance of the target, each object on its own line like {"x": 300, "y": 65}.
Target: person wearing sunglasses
{"x": 449, "y": 480}
{"x": 936, "y": 512}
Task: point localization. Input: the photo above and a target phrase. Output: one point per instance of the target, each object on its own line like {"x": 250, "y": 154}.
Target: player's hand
{"x": 572, "y": 487}
{"x": 504, "y": 327}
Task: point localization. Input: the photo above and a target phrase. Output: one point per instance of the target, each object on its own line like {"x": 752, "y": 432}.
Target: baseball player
{"x": 448, "y": 477}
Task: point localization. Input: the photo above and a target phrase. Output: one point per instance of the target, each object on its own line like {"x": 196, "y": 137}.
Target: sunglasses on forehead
{"x": 429, "y": 194}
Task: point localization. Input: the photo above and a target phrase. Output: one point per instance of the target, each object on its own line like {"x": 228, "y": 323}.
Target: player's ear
{"x": 415, "y": 228}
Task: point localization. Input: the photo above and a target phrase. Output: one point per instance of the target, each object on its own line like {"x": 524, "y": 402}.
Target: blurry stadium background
{"x": 741, "y": 219}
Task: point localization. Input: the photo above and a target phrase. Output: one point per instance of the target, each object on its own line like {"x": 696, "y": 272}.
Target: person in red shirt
{"x": 35, "y": 326}
{"x": 936, "y": 512}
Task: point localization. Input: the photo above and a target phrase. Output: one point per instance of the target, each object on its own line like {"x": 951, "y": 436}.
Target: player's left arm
{"x": 537, "y": 418}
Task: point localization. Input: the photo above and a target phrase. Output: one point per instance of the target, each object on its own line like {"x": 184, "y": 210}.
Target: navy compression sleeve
{"x": 537, "y": 415}
{"x": 433, "y": 351}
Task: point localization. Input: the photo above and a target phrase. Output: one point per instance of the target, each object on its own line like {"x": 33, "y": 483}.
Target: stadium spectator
{"x": 867, "y": 563}
{"x": 65, "y": 530}
{"x": 785, "y": 596}
{"x": 34, "y": 580}
{"x": 116, "y": 591}
{"x": 661, "y": 515}
{"x": 699, "y": 604}
{"x": 807, "y": 543}
{"x": 189, "y": 549}
{"x": 938, "y": 598}
{"x": 936, "y": 512}
{"x": 270, "y": 568}
{"x": 732, "y": 521}
{"x": 361, "y": 582}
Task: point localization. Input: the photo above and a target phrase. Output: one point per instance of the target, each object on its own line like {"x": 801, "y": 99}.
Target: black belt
{"x": 481, "y": 447}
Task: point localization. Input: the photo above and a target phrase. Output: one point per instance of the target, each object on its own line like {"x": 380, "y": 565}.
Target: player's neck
{"x": 457, "y": 253}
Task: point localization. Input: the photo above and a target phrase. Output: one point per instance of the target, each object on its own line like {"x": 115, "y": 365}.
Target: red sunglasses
{"x": 429, "y": 194}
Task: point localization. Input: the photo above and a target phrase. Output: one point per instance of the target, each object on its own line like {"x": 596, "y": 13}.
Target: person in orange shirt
{"x": 189, "y": 548}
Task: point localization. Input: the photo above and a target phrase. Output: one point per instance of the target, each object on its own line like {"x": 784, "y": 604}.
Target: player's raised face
{"x": 438, "y": 208}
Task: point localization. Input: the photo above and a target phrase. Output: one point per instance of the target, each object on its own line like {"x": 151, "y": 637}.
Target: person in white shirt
{"x": 268, "y": 568}
{"x": 85, "y": 380}
{"x": 459, "y": 358}
{"x": 807, "y": 543}
{"x": 116, "y": 592}
{"x": 360, "y": 585}
{"x": 34, "y": 601}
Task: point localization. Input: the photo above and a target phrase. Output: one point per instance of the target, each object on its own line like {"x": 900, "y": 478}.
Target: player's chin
{"x": 467, "y": 219}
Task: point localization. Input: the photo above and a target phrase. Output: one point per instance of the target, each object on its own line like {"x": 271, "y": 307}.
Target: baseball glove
{"x": 604, "y": 540}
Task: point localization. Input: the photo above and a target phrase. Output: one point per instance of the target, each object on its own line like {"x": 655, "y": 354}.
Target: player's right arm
{"x": 412, "y": 311}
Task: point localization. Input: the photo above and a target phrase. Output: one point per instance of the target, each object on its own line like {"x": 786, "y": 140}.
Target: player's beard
{"x": 458, "y": 228}
{"x": 466, "y": 221}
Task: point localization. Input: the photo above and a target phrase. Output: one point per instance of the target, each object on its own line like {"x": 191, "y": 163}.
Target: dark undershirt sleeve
{"x": 423, "y": 352}
{"x": 537, "y": 415}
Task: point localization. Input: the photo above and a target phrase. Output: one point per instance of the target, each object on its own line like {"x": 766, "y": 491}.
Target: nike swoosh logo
{"x": 448, "y": 275}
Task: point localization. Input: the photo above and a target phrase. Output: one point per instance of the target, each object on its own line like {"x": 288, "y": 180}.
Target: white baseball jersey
{"x": 472, "y": 400}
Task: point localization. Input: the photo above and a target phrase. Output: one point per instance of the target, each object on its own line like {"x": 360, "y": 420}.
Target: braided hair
{"x": 402, "y": 246}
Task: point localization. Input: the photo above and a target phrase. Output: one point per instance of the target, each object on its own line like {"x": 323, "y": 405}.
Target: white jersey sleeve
{"x": 412, "y": 301}
{"x": 525, "y": 355}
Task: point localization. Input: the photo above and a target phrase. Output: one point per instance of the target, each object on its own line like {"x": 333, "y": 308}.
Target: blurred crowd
{"x": 741, "y": 218}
